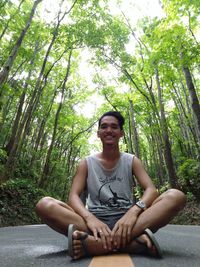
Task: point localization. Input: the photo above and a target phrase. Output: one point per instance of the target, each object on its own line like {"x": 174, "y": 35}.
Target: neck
{"x": 110, "y": 152}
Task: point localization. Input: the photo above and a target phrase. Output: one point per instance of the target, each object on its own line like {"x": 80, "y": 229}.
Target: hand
{"x": 99, "y": 229}
{"x": 122, "y": 232}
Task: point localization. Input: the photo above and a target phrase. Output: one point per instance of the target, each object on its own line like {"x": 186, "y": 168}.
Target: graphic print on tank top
{"x": 109, "y": 193}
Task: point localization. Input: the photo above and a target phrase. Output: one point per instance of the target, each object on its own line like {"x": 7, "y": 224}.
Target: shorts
{"x": 110, "y": 220}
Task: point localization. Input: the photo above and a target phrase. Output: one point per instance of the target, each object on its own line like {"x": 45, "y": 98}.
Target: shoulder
{"x": 125, "y": 155}
{"x": 82, "y": 165}
{"x": 92, "y": 157}
{"x": 88, "y": 160}
{"x": 137, "y": 161}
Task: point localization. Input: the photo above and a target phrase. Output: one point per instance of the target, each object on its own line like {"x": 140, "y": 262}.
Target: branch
{"x": 77, "y": 135}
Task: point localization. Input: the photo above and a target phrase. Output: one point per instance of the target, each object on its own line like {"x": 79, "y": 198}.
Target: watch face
{"x": 141, "y": 204}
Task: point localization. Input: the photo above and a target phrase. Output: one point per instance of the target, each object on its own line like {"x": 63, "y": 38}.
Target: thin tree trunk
{"x": 45, "y": 173}
{"x": 15, "y": 127}
{"x": 130, "y": 134}
{"x": 155, "y": 148}
{"x": 41, "y": 131}
{"x": 173, "y": 179}
{"x": 186, "y": 127}
{"x": 193, "y": 95}
{"x": 134, "y": 128}
{"x": 40, "y": 84}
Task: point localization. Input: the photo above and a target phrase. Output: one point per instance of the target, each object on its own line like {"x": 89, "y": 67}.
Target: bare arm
{"x": 121, "y": 233}
{"x": 78, "y": 187}
{"x": 150, "y": 193}
{"x": 94, "y": 224}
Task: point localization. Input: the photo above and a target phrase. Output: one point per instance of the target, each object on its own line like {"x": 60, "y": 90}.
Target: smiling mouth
{"x": 109, "y": 137}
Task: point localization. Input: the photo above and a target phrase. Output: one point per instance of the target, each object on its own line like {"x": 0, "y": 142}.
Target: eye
{"x": 103, "y": 126}
{"x": 115, "y": 126}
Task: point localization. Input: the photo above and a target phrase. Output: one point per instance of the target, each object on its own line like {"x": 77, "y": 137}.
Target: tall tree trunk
{"x": 40, "y": 84}
{"x": 15, "y": 127}
{"x": 191, "y": 149}
{"x": 134, "y": 128}
{"x": 173, "y": 179}
{"x": 45, "y": 173}
{"x": 155, "y": 147}
{"x": 40, "y": 132}
{"x": 130, "y": 135}
{"x": 193, "y": 95}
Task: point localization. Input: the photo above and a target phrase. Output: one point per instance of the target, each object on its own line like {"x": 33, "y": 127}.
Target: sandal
{"x": 71, "y": 230}
{"x": 154, "y": 242}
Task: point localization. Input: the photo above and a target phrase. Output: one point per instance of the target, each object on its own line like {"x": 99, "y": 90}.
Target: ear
{"x": 98, "y": 133}
{"x": 122, "y": 133}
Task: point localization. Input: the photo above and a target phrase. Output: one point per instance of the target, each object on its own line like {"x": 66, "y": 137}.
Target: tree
{"x": 9, "y": 62}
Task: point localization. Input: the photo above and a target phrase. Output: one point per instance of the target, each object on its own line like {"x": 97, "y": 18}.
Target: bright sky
{"x": 134, "y": 9}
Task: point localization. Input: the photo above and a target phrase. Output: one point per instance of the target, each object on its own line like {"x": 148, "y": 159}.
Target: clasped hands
{"x": 119, "y": 237}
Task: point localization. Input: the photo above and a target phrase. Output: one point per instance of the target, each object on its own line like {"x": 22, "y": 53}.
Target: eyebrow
{"x": 112, "y": 124}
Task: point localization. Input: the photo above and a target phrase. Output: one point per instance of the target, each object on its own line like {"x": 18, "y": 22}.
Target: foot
{"x": 77, "y": 243}
{"x": 145, "y": 245}
{"x": 86, "y": 245}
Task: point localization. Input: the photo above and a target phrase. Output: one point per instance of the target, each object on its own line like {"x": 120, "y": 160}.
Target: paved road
{"x": 39, "y": 246}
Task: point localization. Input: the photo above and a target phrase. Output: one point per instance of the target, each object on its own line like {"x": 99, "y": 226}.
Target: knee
{"x": 43, "y": 205}
{"x": 177, "y": 197}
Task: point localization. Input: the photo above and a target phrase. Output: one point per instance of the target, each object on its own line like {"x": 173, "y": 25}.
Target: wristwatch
{"x": 141, "y": 205}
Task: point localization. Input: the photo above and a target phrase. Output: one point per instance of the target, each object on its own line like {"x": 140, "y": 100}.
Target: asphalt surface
{"x": 38, "y": 245}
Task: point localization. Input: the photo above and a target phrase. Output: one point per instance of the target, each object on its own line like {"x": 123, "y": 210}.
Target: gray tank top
{"x": 110, "y": 191}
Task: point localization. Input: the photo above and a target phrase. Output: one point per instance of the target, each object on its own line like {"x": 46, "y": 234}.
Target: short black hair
{"x": 115, "y": 114}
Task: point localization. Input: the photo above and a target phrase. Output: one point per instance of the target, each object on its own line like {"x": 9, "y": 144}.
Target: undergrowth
{"x": 18, "y": 199}
{"x": 17, "y": 202}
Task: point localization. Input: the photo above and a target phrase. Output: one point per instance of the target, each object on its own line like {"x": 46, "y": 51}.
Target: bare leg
{"x": 162, "y": 211}
{"x": 58, "y": 215}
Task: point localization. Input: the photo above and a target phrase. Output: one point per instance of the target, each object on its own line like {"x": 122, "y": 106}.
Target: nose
{"x": 109, "y": 129}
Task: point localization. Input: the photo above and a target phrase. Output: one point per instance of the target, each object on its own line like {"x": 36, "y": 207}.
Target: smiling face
{"x": 109, "y": 130}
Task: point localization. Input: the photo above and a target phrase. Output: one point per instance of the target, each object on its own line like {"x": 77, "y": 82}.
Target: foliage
{"x": 189, "y": 173}
{"x": 18, "y": 200}
{"x": 189, "y": 215}
{"x": 3, "y": 156}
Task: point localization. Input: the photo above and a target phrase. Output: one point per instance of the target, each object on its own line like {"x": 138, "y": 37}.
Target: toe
{"x": 78, "y": 251}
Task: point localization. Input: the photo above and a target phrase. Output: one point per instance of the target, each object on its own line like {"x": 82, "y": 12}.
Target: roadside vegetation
{"x": 56, "y": 63}
{"x": 19, "y": 197}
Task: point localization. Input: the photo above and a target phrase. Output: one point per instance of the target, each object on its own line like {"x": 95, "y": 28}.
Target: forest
{"x": 61, "y": 67}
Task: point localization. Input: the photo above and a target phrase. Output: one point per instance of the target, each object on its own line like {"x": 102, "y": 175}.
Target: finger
{"x": 124, "y": 237}
{"x": 129, "y": 236}
{"x": 113, "y": 232}
{"x": 108, "y": 230}
{"x": 118, "y": 237}
{"x": 108, "y": 238}
{"x": 95, "y": 234}
{"x": 103, "y": 239}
